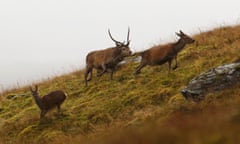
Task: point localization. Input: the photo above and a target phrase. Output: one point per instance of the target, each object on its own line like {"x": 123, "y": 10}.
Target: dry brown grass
{"x": 143, "y": 109}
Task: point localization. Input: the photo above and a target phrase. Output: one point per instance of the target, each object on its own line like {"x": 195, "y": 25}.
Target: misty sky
{"x": 39, "y": 39}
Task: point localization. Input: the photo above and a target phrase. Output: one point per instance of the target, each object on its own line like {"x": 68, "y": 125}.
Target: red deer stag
{"x": 106, "y": 59}
{"x": 161, "y": 54}
{"x": 49, "y": 101}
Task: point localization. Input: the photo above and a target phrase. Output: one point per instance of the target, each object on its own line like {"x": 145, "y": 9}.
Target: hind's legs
{"x": 138, "y": 70}
{"x": 176, "y": 63}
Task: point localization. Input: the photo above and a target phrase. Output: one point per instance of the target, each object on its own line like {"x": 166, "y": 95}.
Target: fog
{"x": 40, "y": 39}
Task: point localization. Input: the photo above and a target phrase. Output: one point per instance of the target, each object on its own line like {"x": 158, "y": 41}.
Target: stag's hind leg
{"x": 88, "y": 70}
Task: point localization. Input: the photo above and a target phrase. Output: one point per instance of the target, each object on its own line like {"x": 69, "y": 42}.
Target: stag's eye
{"x": 124, "y": 48}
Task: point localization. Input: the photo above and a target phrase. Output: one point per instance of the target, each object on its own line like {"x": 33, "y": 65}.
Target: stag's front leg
{"x": 111, "y": 73}
{"x": 104, "y": 69}
{"x": 176, "y": 63}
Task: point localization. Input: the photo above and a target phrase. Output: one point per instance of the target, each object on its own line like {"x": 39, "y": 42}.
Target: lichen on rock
{"x": 214, "y": 80}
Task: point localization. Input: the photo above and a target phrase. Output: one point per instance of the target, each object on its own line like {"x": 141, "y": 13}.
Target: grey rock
{"x": 214, "y": 80}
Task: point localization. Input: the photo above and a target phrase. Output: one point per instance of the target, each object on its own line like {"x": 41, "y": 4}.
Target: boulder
{"x": 214, "y": 80}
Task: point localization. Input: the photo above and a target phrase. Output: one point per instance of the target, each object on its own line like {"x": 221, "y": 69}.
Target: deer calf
{"x": 49, "y": 101}
{"x": 161, "y": 54}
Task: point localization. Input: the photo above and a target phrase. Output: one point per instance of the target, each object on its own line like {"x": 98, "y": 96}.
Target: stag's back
{"x": 96, "y": 58}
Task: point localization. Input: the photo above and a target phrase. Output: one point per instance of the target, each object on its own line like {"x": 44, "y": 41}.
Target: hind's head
{"x": 187, "y": 39}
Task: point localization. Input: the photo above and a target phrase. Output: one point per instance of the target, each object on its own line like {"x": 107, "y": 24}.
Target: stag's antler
{"x": 117, "y": 42}
{"x": 128, "y": 41}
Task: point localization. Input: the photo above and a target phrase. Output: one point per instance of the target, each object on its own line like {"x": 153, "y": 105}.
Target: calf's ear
{"x": 36, "y": 87}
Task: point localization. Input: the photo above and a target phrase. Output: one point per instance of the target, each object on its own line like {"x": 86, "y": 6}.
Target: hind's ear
{"x": 181, "y": 32}
{"x": 178, "y": 34}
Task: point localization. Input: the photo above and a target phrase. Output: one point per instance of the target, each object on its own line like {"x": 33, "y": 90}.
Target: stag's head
{"x": 124, "y": 47}
{"x": 187, "y": 39}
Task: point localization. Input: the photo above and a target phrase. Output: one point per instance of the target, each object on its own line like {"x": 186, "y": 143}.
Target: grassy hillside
{"x": 147, "y": 108}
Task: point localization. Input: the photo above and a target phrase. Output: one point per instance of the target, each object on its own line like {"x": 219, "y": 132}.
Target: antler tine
{"x": 128, "y": 41}
{"x": 128, "y": 34}
{"x": 112, "y": 37}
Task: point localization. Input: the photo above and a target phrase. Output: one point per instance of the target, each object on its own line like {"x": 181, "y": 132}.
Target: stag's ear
{"x": 181, "y": 32}
{"x": 118, "y": 44}
{"x": 128, "y": 43}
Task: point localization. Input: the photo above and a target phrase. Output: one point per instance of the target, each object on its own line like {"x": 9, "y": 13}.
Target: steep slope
{"x": 147, "y": 108}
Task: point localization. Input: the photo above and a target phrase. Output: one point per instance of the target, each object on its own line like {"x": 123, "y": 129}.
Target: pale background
{"x": 40, "y": 39}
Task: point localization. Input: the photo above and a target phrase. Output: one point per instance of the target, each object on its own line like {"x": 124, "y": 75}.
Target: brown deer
{"x": 161, "y": 54}
{"x": 106, "y": 59}
{"x": 49, "y": 101}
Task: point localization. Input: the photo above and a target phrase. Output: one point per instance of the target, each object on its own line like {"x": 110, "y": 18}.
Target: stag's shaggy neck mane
{"x": 116, "y": 58}
{"x": 179, "y": 45}
{"x": 117, "y": 51}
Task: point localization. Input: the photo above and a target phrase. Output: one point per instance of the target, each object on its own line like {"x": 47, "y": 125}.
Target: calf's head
{"x": 34, "y": 92}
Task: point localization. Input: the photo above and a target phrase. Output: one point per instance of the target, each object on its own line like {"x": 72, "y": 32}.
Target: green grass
{"x": 148, "y": 107}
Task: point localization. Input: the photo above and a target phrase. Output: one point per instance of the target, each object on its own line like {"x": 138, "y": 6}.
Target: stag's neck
{"x": 38, "y": 101}
{"x": 179, "y": 45}
{"x": 117, "y": 56}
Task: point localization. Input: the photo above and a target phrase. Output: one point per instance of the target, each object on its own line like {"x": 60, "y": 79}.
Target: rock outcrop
{"x": 212, "y": 81}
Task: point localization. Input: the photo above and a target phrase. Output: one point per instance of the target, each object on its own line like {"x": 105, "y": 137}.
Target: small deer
{"x": 106, "y": 59}
{"x": 161, "y": 54}
{"x": 49, "y": 101}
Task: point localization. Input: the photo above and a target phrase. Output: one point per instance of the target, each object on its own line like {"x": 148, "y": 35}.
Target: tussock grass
{"x": 147, "y": 108}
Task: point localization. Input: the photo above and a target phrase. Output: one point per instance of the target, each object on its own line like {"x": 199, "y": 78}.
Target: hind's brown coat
{"x": 161, "y": 54}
